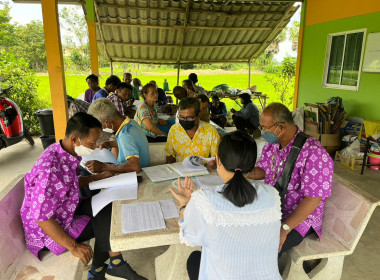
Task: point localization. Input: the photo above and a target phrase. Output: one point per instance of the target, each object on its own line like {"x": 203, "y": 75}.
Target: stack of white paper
{"x": 147, "y": 216}
{"x": 103, "y": 155}
{"x": 120, "y": 187}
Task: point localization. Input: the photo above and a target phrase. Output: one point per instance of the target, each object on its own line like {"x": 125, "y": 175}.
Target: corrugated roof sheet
{"x": 177, "y": 31}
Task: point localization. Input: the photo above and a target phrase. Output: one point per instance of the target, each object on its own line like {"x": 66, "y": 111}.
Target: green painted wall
{"x": 364, "y": 103}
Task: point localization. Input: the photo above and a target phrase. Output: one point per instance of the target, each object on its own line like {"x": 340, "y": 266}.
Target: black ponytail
{"x": 238, "y": 152}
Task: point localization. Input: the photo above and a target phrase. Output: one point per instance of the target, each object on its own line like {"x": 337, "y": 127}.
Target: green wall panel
{"x": 364, "y": 103}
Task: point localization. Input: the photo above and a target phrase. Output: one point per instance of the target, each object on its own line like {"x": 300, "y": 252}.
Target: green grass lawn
{"x": 76, "y": 84}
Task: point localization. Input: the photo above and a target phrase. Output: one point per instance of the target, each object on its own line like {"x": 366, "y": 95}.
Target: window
{"x": 343, "y": 60}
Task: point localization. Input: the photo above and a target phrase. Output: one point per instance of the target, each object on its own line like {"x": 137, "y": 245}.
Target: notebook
{"x": 172, "y": 171}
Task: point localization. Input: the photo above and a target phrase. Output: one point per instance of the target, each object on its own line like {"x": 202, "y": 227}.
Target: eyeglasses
{"x": 188, "y": 119}
{"x": 262, "y": 129}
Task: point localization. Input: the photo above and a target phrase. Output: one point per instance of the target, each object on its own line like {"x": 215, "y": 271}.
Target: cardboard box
{"x": 311, "y": 126}
{"x": 331, "y": 142}
{"x": 349, "y": 162}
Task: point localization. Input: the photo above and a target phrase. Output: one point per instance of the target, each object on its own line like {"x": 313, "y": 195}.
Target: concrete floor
{"x": 362, "y": 264}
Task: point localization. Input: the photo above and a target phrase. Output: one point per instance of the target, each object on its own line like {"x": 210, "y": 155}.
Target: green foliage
{"x": 73, "y": 20}
{"x": 80, "y": 60}
{"x": 8, "y": 35}
{"x": 283, "y": 81}
{"x": 31, "y": 45}
{"x": 294, "y": 33}
{"x": 24, "y": 87}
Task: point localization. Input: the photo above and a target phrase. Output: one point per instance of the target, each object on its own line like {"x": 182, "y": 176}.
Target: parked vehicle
{"x": 12, "y": 129}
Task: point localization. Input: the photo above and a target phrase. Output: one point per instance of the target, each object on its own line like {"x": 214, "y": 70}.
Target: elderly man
{"x": 303, "y": 190}
{"x": 191, "y": 136}
{"x": 53, "y": 217}
{"x": 130, "y": 140}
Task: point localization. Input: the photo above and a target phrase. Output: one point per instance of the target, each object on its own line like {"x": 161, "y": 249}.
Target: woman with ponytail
{"x": 237, "y": 223}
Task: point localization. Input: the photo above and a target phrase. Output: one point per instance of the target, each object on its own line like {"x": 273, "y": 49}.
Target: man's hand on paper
{"x": 107, "y": 145}
{"x": 184, "y": 193}
{"x": 95, "y": 166}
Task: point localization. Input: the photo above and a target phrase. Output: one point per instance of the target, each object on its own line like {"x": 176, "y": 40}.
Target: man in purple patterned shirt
{"x": 53, "y": 217}
{"x": 311, "y": 180}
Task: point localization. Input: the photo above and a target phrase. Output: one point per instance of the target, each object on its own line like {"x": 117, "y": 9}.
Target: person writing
{"x": 310, "y": 182}
{"x": 120, "y": 97}
{"x": 191, "y": 136}
{"x": 131, "y": 142}
{"x": 237, "y": 223}
{"x": 111, "y": 84}
{"x": 146, "y": 115}
{"x": 53, "y": 217}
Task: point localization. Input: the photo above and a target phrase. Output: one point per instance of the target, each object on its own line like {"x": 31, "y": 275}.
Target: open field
{"x": 76, "y": 84}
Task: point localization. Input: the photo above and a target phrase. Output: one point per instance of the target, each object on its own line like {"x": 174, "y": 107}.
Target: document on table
{"x": 142, "y": 217}
{"x": 160, "y": 173}
{"x": 122, "y": 180}
{"x": 147, "y": 216}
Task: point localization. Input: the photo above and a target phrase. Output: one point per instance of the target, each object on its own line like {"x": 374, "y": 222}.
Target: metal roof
{"x": 188, "y": 32}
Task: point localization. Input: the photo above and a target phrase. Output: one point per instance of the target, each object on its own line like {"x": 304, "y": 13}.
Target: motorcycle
{"x": 12, "y": 129}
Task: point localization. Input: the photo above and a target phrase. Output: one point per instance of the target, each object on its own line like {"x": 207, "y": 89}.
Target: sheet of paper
{"x": 141, "y": 217}
{"x": 185, "y": 171}
{"x": 168, "y": 209}
{"x": 137, "y": 102}
{"x": 208, "y": 181}
{"x": 102, "y": 199}
{"x": 163, "y": 116}
{"x": 193, "y": 162}
{"x": 160, "y": 173}
{"x": 103, "y": 155}
{"x": 125, "y": 179}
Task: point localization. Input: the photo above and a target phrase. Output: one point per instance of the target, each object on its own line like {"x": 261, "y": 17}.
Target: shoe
{"x": 100, "y": 276}
{"x": 123, "y": 272}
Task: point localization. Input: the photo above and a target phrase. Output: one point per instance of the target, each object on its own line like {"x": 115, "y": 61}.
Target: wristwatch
{"x": 285, "y": 227}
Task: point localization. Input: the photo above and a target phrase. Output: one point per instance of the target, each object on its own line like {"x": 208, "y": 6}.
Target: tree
{"x": 283, "y": 82}
{"x": 7, "y": 29}
{"x": 24, "y": 87}
{"x": 293, "y": 34}
{"x": 31, "y": 45}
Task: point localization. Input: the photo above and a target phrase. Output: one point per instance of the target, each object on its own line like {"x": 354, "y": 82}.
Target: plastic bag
{"x": 353, "y": 150}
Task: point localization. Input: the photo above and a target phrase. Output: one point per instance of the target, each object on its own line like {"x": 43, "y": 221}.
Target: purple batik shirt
{"x": 312, "y": 176}
{"x": 52, "y": 191}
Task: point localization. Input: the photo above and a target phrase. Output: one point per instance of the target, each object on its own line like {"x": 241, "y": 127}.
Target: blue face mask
{"x": 271, "y": 138}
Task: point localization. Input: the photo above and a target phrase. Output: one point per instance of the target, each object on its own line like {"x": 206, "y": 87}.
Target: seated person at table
{"x": 127, "y": 78}
{"x": 76, "y": 105}
{"x": 53, "y": 217}
{"x": 248, "y": 117}
{"x": 205, "y": 107}
{"x": 179, "y": 93}
{"x": 162, "y": 99}
{"x": 236, "y": 223}
{"x": 136, "y": 85}
{"x": 121, "y": 95}
{"x": 130, "y": 140}
{"x": 189, "y": 86}
{"x": 191, "y": 136}
{"x": 218, "y": 112}
{"x": 146, "y": 115}
{"x": 93, "y": 84}
{"x": 111, "y": 84}
{"x": 194, "y": 78}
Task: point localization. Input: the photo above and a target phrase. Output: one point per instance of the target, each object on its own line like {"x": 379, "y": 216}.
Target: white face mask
{"x": 82, "y": 150}
{"x": 109, "y": 130}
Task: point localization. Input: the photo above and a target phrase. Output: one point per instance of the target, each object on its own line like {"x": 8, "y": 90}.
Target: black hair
{"x": 280, "y": 113}
{"x": 246, "y": 97}
{"x": 215, "y": 97}
{"x": 81, "y": 123}
{"x": 237, "y": 152}
{"x": 146, "y": 88}
{"x": 136, "y": 82}
{"x": 189, "y": 82}
{"x": 124, "y": 85}
{"x": 114, "y": 80}
{"x": 193, "y": 77}
{"x": 204, "y": 98}
{"x": 190, "y": 102}
{"x": 93, "y": 77}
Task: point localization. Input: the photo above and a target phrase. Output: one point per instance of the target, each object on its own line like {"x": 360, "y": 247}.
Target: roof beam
{"x": 193, "y": 11}
{"x": 184, "y": 30}
{"x": 188, "y": 27}
{"x": 268, "y": 38}
{"x": 173, "y": 46}
{"x": 173, "y": 62}
{"x": 101, "y": 31}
